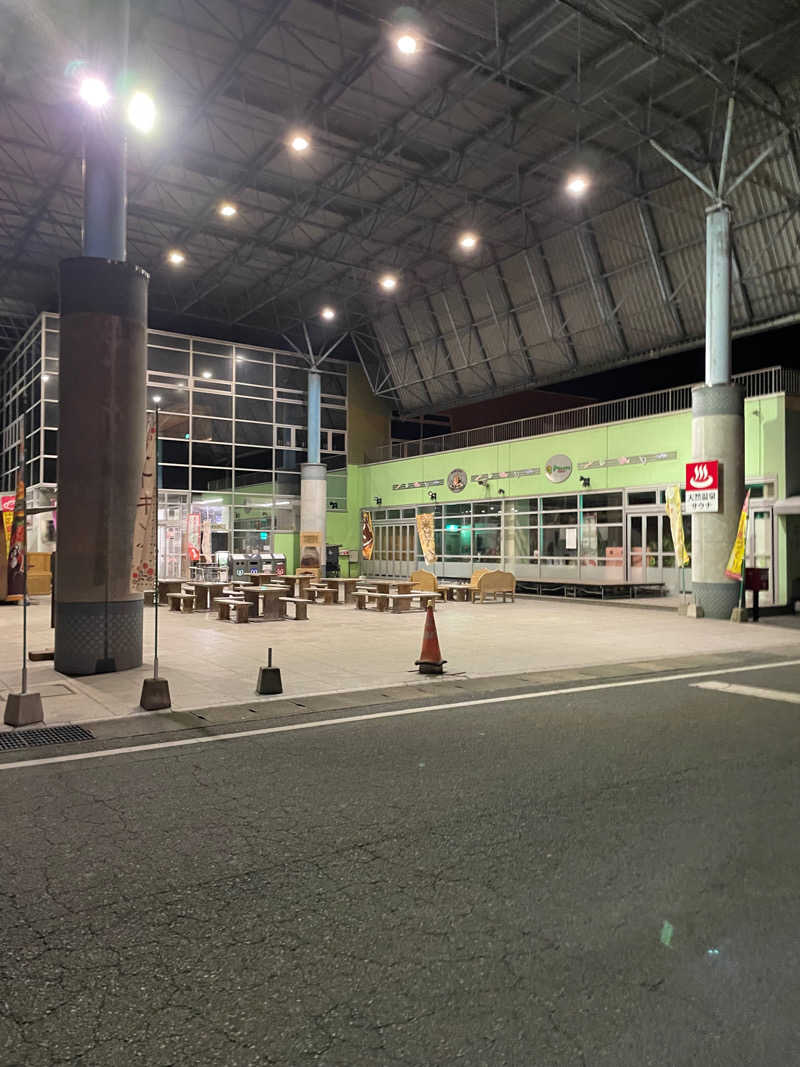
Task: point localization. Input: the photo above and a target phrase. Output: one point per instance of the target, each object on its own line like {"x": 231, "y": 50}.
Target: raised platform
{"x": 588, "y": 588}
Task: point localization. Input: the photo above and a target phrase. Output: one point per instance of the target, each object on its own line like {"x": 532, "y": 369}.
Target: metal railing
{"x": 664, "y": 402}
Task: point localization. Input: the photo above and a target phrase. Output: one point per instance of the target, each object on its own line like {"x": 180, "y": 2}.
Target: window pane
{"x": 289, "y": 459}
{"x": 211, "y": 429}
{"x": 253, "y": 373}
{"x": 208, "y": 455}
{"x": 555, "y": 540}
{"x": 560, "y": 518}
{"x": 253, "y": 433}
{"x": 334, "y": 418}
{"x": 173, "y": 477}
{"x": 209, "y": 479}
{"x": 602, "y": 500}
{"x": 169, "y": 399}
{"x": 254, "y": 410}
{"x": 260, "y": 478}
{"x": 287, "y": 378}
{"x": 526, "y": 543}
{"x": 486, "y": 509}
{"x": 167, "y": 361}
{"x": 639, "y": 498}
{"x": 335, "y": 384}
{"x": 173, "y": 451}
{"x": 214, "y": 404}
{"x": 173, "y": 425}
{"x": 486, "y": 543}
{"x": 212, "y": 367}
{"x": 254, "y": 458}
{"x": 291, "y": 414}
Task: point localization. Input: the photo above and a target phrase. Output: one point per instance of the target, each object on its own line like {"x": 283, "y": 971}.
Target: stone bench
{"x": 181, "y": 602}
{"x": 322, "y": 594}
{"x": 231, "y": 608}
{"x": 300, "y": 607}
{"x": 402, "y": 601}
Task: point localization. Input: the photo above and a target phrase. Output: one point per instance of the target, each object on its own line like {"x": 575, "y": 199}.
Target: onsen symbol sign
{"x": 702, "y": 486}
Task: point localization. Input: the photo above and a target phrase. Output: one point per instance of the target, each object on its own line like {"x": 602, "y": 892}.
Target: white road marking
{"x": 751, "y": 691}
{"x": 345, "y": 720}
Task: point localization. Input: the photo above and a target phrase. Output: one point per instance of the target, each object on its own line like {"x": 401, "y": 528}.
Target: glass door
{"x": 759, "y": 551}
{"x": 645, "y": 552}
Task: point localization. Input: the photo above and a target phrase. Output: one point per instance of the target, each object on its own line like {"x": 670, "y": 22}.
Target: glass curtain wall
{"x": 233, "y": 429}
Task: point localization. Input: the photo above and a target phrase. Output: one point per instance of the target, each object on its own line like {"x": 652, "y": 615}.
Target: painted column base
{"x": 718, "y": 599}
{"x": 98, "y": 638}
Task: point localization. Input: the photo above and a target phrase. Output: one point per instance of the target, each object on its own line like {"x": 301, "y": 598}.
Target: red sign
{"x": 702, "y": 486}
{"x": 702, "y": 474}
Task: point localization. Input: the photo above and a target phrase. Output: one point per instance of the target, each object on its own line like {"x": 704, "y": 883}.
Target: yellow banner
{"x": 426, "y": 539}
{"x": 734, "y": 568}
{"x": 673, "y": 508}
{"x": 367, "y": 535}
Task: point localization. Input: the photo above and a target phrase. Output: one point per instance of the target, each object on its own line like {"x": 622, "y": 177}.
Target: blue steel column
{"x": 314, "y": 415}
{"x": 718, "y": 430}
{"x": 105, "y": 190}
{"x": 313, "y": 475}
{"x": 103, "y": 366}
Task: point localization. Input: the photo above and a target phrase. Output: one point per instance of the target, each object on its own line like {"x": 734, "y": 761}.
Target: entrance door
{"x": 759, "y": 550}
{"x": 645, "y": 552}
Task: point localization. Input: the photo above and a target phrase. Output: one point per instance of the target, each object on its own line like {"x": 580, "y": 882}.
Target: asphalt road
{"x": 600, "y": 878}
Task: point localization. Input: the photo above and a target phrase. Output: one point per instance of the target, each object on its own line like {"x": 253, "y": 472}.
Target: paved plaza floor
{"x": 211, "y": 663}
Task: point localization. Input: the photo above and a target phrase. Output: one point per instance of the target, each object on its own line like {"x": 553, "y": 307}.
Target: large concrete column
{"x": 718, "y": 431}
{"x": 103, "y": 365}
{"x": 314, "y": 415}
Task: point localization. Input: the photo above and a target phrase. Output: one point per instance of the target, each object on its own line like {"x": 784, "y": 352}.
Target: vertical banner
{"x": 193, "y": 536}
{"x": 426, "y": 538}
{"x": 16, "y": 546}
{"x": 367, "y": 535}
{"x": 7, "y": 507}
{"x": 144, "y": 531}
{"x": 736, "y": 561}
{"x": 673, "y": 509}
{"x": 4, "y": 537}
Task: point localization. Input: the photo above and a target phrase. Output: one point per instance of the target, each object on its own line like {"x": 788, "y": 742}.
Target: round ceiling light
{"x": 407, "y": 44}
{"x": 328, "y": 314}
{"x": 176, "y": 257}
{"x": 388, "y": 282}
{"x": 94, "y": 92}
{"x": 468, "y": 240}
{"x": 300, "y": 143}
{"x": 227, "y": 210}
{"x": 577, "y": 184}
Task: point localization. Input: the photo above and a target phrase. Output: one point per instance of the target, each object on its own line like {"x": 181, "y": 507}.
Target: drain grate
{"x": 45, "y": 735}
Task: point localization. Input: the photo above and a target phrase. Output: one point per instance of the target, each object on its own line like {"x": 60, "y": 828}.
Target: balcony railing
{"x": 664, "y": 402}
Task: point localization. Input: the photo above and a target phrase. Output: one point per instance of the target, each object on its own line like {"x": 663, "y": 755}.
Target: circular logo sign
{"x": 558, "y": 468}
{"x": 457, "y": 480}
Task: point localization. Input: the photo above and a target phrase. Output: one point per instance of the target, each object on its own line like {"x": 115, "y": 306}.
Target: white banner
{"x": 144, "y": 534}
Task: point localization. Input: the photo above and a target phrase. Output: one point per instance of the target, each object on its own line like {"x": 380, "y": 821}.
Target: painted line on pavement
{"x": 750, "y": 691}
{"x": 344, "y": 720}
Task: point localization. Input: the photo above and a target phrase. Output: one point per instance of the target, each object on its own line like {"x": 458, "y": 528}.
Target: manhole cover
{"x": 46, "y": 735}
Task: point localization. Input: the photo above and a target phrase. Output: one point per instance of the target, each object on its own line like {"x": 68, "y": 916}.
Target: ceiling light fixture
{"x": 176, "y": 257}
{"x": 388, "y": 282}
{"x": 156, "y": 399}
{"x": 207, "y": 374}
{"x": 407, "y": 44}
{"x": 227, "y": 210}
{"x": 142, "y": 112}
{"x": 300, "y": 142}
{"x": 94, "y": 92}
{"x": 328, "y": 314}
{"x": 577, "y": 184}
{"x": 45, "y": 377}
{"x": 468, "y": 240}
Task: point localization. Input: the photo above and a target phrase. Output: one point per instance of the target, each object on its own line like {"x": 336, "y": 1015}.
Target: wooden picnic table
{"x": 454, "y": 590}
{"x": 348, "y": 586}
{"x": 205, "y": 593}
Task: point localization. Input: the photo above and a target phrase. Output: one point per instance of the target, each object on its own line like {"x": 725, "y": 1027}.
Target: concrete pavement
{"x": 605, "y": 876}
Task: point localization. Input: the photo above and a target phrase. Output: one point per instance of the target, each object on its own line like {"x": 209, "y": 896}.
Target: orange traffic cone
{"x": 430, "y": 658}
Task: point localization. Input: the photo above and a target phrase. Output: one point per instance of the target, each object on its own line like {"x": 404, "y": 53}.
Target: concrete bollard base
{"x": 694, "y": 611}
{"x": 739, "y": 615}
{"x": 23, "y": 709}
{"x": 269, "y": 681}
{"x": 155, "y": 694}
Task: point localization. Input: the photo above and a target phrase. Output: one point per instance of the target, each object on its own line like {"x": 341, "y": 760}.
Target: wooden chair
{"x": 424, "y": 580}
{"x": 472, "y": 588}
{"x": 495, "y": 584}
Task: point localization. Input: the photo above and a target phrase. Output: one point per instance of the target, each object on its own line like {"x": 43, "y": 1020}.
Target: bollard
{"x": 269, "y": 678}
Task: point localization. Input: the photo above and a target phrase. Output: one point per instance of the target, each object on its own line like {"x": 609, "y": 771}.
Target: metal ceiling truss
{"x": 477, "y": 134}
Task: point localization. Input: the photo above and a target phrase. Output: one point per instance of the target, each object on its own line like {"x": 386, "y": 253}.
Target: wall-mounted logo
{"x": 702, "y": 486}
{"x": 701, "y": 475}
{"x": 457, "y": 480}
{"x": 558, "y": 468}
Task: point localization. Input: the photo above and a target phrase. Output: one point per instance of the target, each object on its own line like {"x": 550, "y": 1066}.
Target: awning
{"x": 789, "y": 506}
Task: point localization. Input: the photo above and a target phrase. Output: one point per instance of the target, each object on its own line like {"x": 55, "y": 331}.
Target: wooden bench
{"x": 494, "y": 584}
{"x": 181, "y": 602}
{"x": 323, "y": 594}
{"x": 300, "y": 607}
{"x": 231, "y": 608}
{"x": 363, "y": 598}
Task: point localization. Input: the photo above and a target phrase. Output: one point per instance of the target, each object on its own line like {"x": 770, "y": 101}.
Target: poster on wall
{"x": 3, "y": 562}
{"x": 367, "y": 535}
{"x": 143, "y": 557}
{"x": 426, "y": 539}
